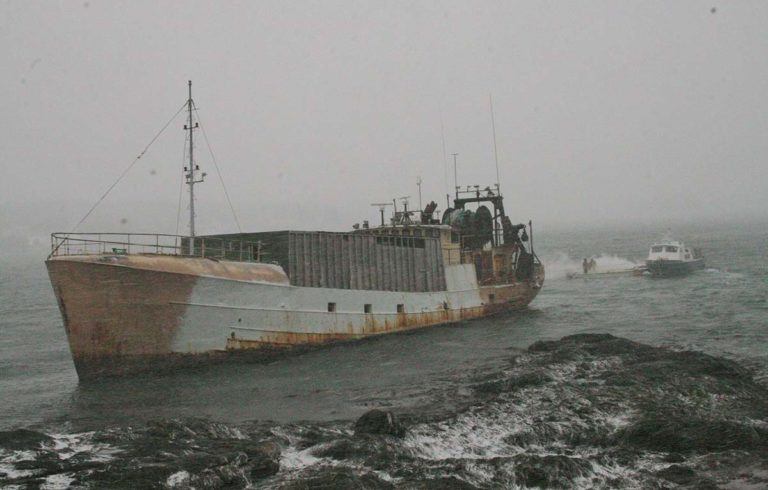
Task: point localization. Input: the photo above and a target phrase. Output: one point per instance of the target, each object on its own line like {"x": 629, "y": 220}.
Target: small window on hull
{"x": 331, "y": 307}
{"x": 400, "y": 309}
{"x": 367, "y": 308}
{"x": 492, "y": 298}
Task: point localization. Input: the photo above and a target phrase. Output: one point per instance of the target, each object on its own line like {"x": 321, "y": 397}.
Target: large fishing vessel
{"x": 132, "y": 302}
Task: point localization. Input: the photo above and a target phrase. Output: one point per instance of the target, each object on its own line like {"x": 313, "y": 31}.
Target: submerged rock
{"x": 23, "y": 439}
{"x": 669, "y": 433}
{"x": 550, "y": 471}
{"x": 340, "y": 479}
{"x": 379, "y": 422}
{"x": 682, "y": 475}
{"x": 448, "y": 482}
{"x": 265, "y": 460}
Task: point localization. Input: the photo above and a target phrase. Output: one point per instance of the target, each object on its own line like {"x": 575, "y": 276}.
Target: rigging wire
{"x": 216, "y": 165}
{"x": 135, "y": 160}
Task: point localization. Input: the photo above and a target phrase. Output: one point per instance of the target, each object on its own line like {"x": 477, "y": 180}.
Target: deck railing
{"x": 154, "y": 244}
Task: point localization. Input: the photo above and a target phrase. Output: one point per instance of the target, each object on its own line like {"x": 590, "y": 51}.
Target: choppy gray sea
{"x": 608, "y": 381}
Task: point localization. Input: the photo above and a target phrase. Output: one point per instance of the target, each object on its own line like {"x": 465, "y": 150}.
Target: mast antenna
{"x": 495, "y": 150}
{"x": 191, "y": 171}
{"x": 381, "y": 206}
{"x": 418, "y": 183}
{"x": 455, "y": 175}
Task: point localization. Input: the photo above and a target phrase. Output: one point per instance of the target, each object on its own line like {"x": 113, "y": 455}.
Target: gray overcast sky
{"x": 611, "y": 112}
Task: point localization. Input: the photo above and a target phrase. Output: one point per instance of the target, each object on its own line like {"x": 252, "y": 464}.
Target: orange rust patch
{"x": 117, "y": 311}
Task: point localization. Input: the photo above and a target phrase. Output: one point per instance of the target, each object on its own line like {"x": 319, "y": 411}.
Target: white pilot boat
{"x": 673, "y": 258}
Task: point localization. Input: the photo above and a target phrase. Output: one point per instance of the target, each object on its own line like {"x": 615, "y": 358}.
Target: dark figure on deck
{"x": 585, "y": 265}
{"x": 592, "y": 264}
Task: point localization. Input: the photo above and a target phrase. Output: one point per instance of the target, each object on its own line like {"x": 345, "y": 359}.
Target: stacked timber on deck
{"x": 353, "y": 260}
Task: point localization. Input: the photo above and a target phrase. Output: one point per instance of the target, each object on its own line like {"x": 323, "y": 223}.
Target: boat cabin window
{"x": 657, "y": 249}
{"x": 671, "y": 248}
{"x": 367, "y": 308}
{"x": 331, "y": 307}
{"x": 400, "y": 308}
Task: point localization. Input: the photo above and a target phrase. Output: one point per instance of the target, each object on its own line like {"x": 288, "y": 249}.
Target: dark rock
{"x": 339, "y": 450}
{"x": 528, "y": 379}
{"x": 555, "y": 471}
{"x": 674, "y": 458}
{"x": 265, "y": 461}
{"x": 231, "y": 474}
{"x": 698, "y": 363}
{"x": 23, "y": 439}
{"x": 518, "y": 382}
{"x": 682, "y": 475}
{"x": 340, "y": 479}
{"x": 445, "y": 483}
{"x": 588, "y": 338}
{"x": 669, "y": 433}
{"x": 379, "y": 422}
{"x": 492, "y": 387}
{"x": 543, "y": 346}
{"x": 132, "y": 474}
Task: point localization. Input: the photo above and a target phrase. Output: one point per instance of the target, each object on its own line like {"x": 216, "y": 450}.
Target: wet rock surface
{"x": 379, "y": 422}
{"x": 586, "y": 411}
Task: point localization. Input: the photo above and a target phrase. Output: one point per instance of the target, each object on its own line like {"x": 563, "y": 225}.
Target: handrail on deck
{"x": 63, "y": 244}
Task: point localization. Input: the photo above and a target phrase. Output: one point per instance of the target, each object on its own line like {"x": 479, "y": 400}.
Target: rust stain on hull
{"x": 496, "y": 300}
{"x": 121, "y": 313}
{"x": 112, "y": 312}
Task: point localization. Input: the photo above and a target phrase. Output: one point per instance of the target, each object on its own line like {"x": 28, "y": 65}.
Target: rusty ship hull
{"x": 128, "y": 313}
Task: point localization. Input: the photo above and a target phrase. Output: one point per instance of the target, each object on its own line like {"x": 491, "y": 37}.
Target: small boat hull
{"x": 671, "y": 268}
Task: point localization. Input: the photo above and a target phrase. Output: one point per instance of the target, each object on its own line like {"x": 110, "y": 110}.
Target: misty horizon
{"x": 605, "y": 114}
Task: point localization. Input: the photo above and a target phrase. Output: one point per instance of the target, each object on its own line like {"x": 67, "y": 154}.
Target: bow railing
{"x": 153, "y": 244}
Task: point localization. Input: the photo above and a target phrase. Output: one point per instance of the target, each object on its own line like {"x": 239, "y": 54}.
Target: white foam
{"x": 562, "y": 265}
{"x": 178, "y": 479}
{"x": 68, "y": 445}
{"x": 60, "y": 481}
{"x": 293, "y": 459}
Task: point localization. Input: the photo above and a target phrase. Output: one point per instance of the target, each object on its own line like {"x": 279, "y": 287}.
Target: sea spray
{"x": 561, "y": 265}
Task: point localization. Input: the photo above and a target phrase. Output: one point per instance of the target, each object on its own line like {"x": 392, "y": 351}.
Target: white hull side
{"x": 262, "y": 312}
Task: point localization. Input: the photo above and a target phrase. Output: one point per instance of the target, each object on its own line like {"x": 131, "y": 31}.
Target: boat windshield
{"x": 671, "y": 248}
{"x": 657, "y": 249}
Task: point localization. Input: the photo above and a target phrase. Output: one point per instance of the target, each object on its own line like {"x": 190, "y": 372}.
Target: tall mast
{"x": 455, "y": 175}
{"x": 191, "y": 172}
{"x": 495, "y": 150}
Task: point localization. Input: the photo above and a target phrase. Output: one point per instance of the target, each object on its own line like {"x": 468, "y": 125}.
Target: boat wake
{"x": 587, "y": 411}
